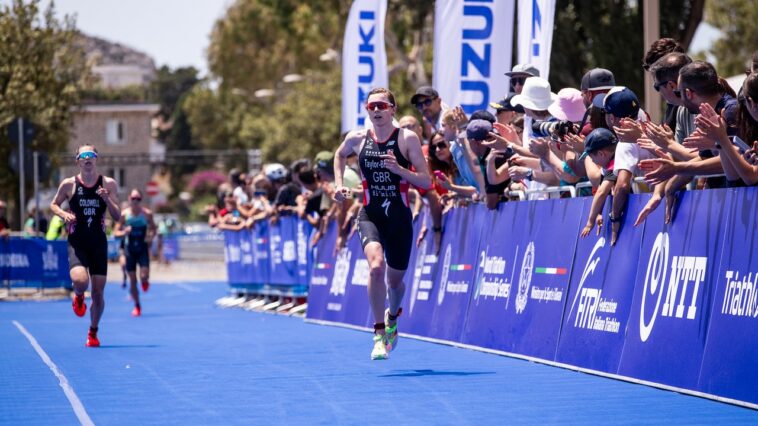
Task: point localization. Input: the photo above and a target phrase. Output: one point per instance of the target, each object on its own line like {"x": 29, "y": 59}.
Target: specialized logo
{"x": 444, "y": 276}
{"x": 525, "y": 278}
{"x": 684, "y": 270}
{"x": 341, "y": 269}
{"x": 740, "y": 295}
{"x": 386, "y": 205}
{"x": 50, "y": 259}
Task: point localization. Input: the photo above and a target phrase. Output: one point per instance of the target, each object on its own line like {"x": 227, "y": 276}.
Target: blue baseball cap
{"x": 619, "y": 101}
{"x": 478, "y": 130}
{"x": 598, "y": 139}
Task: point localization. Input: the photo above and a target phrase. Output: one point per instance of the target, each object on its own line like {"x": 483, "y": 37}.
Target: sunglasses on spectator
{"x": 86, "y": 155}
{"x": 440, "y": 145}
{"x": 381, "y": 106}
{"x": 657, "y": 85}
{"x": 518, "y": 80}
{"x": 136, "y": 198}
{"x": 678, "y": 92}
{"x": 425, "y": 103}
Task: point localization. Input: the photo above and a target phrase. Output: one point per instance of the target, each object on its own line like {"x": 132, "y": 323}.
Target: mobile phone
{"x": 740, "y": 143}
{"x": 441, "y": 176}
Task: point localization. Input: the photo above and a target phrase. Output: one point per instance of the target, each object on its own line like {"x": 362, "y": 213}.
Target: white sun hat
{"x": 535, "y": 95}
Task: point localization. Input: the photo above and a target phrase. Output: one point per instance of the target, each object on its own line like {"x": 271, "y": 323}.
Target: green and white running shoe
{"x": 392, "y": 336}
{"x": 380, "y": 348}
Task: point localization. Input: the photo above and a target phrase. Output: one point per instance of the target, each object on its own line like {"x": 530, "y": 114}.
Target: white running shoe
{"x": 380, "y": 348}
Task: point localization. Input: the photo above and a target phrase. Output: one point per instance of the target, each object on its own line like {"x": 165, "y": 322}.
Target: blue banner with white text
{"x": 34, "y": 262}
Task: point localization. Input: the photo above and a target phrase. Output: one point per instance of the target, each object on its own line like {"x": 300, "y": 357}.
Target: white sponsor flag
{"x": 364, "y": 59}
{"x": 535, "y": 33}
{"x": 472, "y": 51}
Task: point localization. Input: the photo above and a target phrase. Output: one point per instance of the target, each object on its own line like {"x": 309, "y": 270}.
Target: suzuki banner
{"x": 535, "y": 33}
{"x": 731, "y": 348}
{"x": 600, "y": 298}
{"x": 472, "y": 51}
{"x": 674, "y": 291}
{"x": 523, "y": 277}
{"x": 364, "y": 60}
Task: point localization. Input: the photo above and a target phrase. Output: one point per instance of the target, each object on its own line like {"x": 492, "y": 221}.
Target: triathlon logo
{"x": 525, "y": 279}
{"x": 655, "y": 278}
{"x": 341, "y": 269}
{"x": 50, "y": 259}
{"x": 444, "y": 275}
{"x": 589, "y": 269}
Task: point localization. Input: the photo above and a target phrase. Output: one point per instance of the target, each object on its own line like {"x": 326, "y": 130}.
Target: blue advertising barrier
{"x": 600, "y": 298}
{"x": 34, "y": 262}
{"x": 731, "y": 348}
{"x": 673, "y": 292}
{"x": 518, "y": 308}
{"x": 671, "y": 305}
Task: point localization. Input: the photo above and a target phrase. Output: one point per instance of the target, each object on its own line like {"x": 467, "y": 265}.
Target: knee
{"x": 377, "y": 270}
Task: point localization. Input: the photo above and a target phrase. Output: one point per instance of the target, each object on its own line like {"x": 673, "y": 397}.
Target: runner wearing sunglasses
{"x": 385, "y": 155}
{"x": 89, "y": 195}
{"x": 137, "y": 228}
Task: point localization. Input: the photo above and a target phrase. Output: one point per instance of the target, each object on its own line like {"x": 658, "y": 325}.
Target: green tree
{"x": 737, "y": 20}
{"x": 42, "y": 72}
{"x": 170, "y": 86}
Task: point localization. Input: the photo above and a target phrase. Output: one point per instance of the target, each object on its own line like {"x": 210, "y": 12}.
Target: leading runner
{"x": 385, "y": 225}
{"x": 89, "y": 194}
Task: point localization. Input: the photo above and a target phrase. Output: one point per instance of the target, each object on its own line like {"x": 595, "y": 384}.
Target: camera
{"x": 561, "y": 129}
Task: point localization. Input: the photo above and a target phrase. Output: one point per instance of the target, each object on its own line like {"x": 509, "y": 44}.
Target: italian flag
{"x": 551, "y": 271}
{"x": 461, "y": 267}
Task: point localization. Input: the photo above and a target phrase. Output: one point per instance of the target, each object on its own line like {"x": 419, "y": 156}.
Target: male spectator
{"x": 409, "y": 122}
{"x": 428, "y": 102}
{"x": 659, "y": 49}
{"x": 665, "y": 74}
{"x": 698, "y": 83}
{"x": 595, "y": 82}
{"x": 5, "y": 230}
{"x": 601, "y": 145}
{"x": 296, "y": 167}
{"x": 518, "y": 75}
{"x": 505, "y": 113}
{"x": 477, "y": 133}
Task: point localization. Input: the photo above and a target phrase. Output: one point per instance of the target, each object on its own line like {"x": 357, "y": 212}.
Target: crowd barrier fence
{"x": 34, "y": 262}
{"x": 669, "y": 305}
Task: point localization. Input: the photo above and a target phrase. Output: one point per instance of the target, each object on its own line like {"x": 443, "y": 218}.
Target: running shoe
{"x": 380, "y": 348}
{"x": 92, "y": 341}
{"x": 145, "y": 285}
{"x": 392, "y": 336}
{"x": 137, "y": 311}
{"x": 80, "y": 308}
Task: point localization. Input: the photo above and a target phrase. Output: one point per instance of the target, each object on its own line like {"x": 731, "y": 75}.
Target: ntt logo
{"x": 685, "y": 270}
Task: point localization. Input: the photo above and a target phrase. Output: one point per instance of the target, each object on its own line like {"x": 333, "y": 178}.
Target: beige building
{"x": 122, "y": 134}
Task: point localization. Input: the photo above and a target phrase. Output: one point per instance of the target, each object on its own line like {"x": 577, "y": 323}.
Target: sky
{"x": 173, "y": 32}
{"x": 176, "y": 32}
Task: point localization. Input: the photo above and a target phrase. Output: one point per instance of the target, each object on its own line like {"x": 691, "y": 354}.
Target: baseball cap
{"x": 597, "y": 79}
{"x": 324, "y": 160}
{"x": 505, "y": 105}
{"x": 597, "y": 139}
{"x": 619, "y": 101}
{"x": 478, "y": 129}
{"x": 523, "y": 69}
{"x": 483, "y": 114}
{"x": 424, "y": 91}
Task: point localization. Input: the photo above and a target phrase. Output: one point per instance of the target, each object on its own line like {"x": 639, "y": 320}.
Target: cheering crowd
{"x": 596, "y": 138}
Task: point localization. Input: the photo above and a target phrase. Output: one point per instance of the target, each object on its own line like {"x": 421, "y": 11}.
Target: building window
{"x": 115, "y": 132}
{"x": 120, "y": 175}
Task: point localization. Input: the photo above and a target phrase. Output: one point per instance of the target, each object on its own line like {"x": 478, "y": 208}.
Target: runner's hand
{"x": 390, "y": 163}
{"x": 342, "y": 193}
{"x": 68, "y": 217}
{"x": 103, "y": 193}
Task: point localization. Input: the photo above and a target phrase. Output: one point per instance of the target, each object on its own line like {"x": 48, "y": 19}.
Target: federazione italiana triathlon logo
{"x": 525, "y": 278}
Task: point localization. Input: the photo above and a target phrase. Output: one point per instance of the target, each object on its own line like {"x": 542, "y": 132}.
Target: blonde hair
{"x": 447, "y": 118}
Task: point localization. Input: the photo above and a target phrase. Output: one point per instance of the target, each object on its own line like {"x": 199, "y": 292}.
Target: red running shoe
{"x": 145, "y": 285}
{"x": 92, "y": 341}
{"x": 80, "y": 308}
{"x": 137, "y": 311}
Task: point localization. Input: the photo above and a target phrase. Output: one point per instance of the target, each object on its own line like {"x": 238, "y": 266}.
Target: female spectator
{"x": 447, "y": 177}
{"x": 711, "y": 133}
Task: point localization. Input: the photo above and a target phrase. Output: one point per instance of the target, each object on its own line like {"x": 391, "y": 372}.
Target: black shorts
{"x": 394, "y": 233}
{"x": 92, "y": 255}
{"x": 134, "y": 258}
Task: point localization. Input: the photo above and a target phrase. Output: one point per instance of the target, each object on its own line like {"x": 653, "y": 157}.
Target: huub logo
{"x": 525, "y": 278}
{"x": 444, "y": 276}
{"x": 684, "y": 270}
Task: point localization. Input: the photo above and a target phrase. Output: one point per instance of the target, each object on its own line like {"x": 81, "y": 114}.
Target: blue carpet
{"x": 188, "y": 362}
